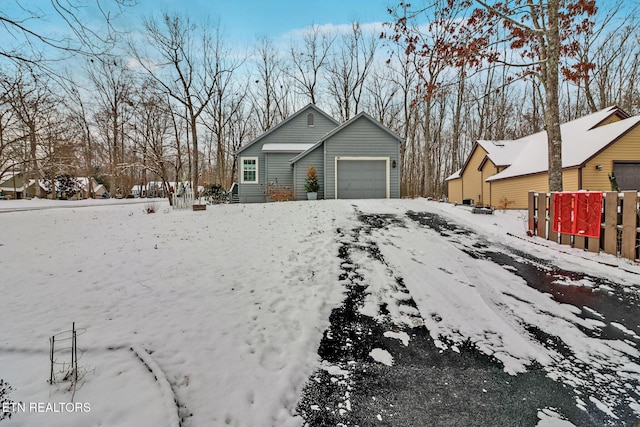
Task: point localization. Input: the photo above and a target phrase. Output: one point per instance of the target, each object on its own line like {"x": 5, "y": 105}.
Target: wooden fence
{"x": 184, "y": 200}
{"x": 620, "y": 224}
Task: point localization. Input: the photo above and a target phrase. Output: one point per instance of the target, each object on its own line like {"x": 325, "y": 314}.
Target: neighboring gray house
{"x": 356, "y": 160}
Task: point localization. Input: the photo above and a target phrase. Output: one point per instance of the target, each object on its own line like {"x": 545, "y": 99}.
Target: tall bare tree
{"x": 309, "y": 60}
{"x": 25, "y": 42}
{"x": 182, "y": 62}
{"x": 348, "y": 69}
{"x": 31, "y": 98}
{"x": 113, "y": 84}
{"x": 225, "y": 107}
{"x": 270, "y": 91}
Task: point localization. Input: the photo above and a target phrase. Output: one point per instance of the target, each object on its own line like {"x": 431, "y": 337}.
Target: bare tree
{"x": 182, "y": 64}
{"x": 31, "y": 98}
{"x": 224, "y": 108}
{"x": 381, "y": 93}
{"x": 24, "y": 42}
{"x": 617, "y": 63}
{"x": 77, "y": 105}
{"x": 154, "y": 153}
{"x": 348, "y": 70}
{"x": 309, "y": 60}
{"x": 113, "y": 84}
{"x": 542, "y": 32}
{"x": 10, "y": 140}
{"x": 270, "y": 92}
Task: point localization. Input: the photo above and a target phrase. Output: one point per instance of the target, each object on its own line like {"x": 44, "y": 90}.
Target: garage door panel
{"x": 627, "y": 175}
{"x": 362, "y": 179}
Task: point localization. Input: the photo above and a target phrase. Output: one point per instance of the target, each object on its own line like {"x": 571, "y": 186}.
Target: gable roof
{"x": 456, "y": 175}
{"x": 582, "y": 139}
{"x": 356, "y": 118}
{"x": 501, "y": 152}
{"x": 303, "y": 110}
{"x": 343, "y": 126}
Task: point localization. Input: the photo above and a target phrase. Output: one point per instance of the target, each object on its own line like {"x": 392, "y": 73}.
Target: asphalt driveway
{"x": 461, "y": 385}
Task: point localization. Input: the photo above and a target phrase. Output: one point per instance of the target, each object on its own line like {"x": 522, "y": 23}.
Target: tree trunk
{"x": 34, "y": 159}
{"x": 554, "y": 135}
{"x": 194, "y": 157}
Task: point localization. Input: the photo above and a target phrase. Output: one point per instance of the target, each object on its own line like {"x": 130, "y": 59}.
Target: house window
{"x": 310, "y": 119}
{"x": 249, "y": 170}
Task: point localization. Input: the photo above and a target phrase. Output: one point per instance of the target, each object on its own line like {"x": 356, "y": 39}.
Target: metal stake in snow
{"x": 69, "y": 371}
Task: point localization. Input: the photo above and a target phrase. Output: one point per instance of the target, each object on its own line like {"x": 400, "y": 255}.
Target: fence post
{"x": 52, "y": 340}
{"x": 611, "y": 223}
{"x": 541, "y": 230}
{"x": 531, "y": 206}
{"x": 629, "y": 224}
{"x": 553, "y": 236}
{"x": 594, "y": 244}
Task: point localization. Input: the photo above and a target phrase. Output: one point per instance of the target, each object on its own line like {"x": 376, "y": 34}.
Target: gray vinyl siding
{"x": 297, "y": 131}
{"x": 362, "y": 138}
{"x": 294, "y": 131}
{"x": 252, "y": 193}
{"x": 279, "y": 170}
{"x": 315, "y": 159}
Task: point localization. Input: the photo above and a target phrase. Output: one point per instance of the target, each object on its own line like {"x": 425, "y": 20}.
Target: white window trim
{"x": 387, "y": 162}
{"x": 242, "y": 159}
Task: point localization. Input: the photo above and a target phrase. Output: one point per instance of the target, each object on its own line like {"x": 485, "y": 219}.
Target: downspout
{"x": 324, "y": 178}
{"x": 295, "y": 181}
{"x": 580, "y": 178}
{"x": 399, "y": 174}
{"x": 481, "y": 187}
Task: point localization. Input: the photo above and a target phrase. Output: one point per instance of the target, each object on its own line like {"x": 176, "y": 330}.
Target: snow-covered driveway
{"x": 567, "y": 336}
{"x": 229, "y": 307}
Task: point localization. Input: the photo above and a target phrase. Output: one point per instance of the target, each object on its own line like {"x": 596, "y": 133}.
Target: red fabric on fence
{"x": 588, "y": 210}
{"x": 563, "y": 213}
{"x": 578, "y": 213}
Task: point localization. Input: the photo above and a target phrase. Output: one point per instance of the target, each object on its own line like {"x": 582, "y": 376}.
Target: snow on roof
{"x": 41, "y": 183}
{"x": 11, "y": 188}
{"x": 503, "y": 152}
{"x": 580, "y": 141}
{"x": 9, "y": 175}
{"x": 285, "y": 148}
{"x": 455, "y": 175}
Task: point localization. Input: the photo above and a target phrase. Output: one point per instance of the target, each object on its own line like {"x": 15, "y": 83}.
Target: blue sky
{"x": 243, "y": 21}
{"x": 248, "y": 19}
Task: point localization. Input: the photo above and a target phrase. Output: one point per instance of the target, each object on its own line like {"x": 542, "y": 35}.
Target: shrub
{"x": 151, "y": 208}
{"x": 505, "y": 203}
{"x": 5, "y": 388}
{"x": 215, "y": 194}
{"x": 311, "y": 185}
{"x": 279, "y": 193}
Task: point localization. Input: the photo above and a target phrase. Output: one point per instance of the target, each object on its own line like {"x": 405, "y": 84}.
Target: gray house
{"x": 356, "y": 160}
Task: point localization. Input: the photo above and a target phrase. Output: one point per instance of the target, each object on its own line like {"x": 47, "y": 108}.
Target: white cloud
{"x": 339, "y": 29}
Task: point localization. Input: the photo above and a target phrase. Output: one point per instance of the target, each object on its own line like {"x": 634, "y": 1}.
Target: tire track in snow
{"x": 424, "y": 385}
{"x": 609, "y": 390}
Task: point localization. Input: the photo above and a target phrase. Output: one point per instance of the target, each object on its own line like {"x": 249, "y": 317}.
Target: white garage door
{"x": 362, "y": 179}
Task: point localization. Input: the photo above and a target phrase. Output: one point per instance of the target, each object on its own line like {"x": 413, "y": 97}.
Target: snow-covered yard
{"x": 226, "y": 307}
